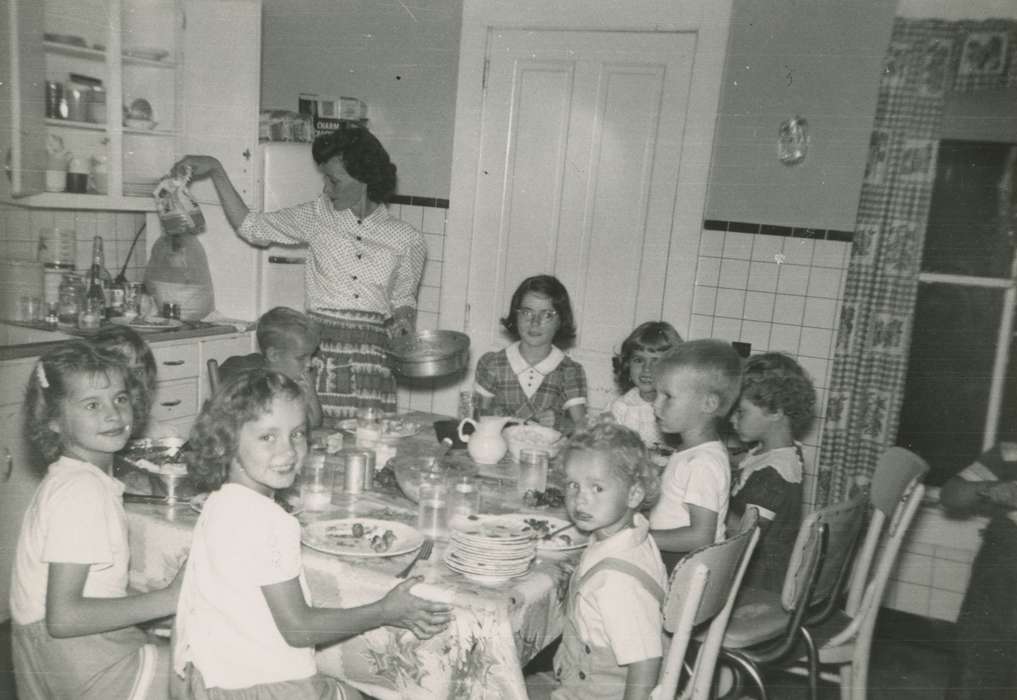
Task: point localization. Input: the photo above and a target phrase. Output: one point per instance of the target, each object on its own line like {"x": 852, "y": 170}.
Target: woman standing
{"x": 364, "y": 265}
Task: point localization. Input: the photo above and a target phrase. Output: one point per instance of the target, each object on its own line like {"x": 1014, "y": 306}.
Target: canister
{"x": 358, "y": 470}
{"x": 76, "y": 96}
{"x": 57, "y": 246}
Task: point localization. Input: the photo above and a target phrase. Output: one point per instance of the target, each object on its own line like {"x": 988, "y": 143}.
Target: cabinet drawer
{"x": 175, "y": 399}
{"x": 176, "y": 361}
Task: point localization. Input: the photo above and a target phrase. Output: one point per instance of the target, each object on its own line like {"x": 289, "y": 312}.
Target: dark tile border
{"x": 818, "y": 234}
{"x": 415, "y": 201}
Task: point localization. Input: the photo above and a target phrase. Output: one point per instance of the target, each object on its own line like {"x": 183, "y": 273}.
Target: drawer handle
{"x": 173, "y": 363}
{"x": 170, "y": 404}
{"x": 10, "y": 465}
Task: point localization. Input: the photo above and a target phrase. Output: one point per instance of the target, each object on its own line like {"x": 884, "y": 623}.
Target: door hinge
{"x": 483, "y": 79}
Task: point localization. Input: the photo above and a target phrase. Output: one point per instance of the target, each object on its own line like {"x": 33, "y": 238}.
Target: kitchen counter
{"x": 28, "y": 340}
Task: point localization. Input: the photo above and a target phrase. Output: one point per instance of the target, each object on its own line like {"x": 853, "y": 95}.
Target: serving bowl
{"x": 533, "y": 437}
{"x": 408, "y": 470}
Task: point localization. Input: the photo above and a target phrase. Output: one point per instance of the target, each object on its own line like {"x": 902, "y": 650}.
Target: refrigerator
{"x": 285, "y": 175}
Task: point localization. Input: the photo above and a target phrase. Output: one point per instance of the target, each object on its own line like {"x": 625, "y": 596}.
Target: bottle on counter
{"x": 99, "y": 276}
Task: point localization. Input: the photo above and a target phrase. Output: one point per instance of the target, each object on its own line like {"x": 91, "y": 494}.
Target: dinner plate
{"x": 532, "y": 525}
{"x": 336, "y": 537}
{"x": 484, "y": 579}
{"x": 391, "y": 427}
{"x": 291, "y": 506}
{"x": 151, "y": 324}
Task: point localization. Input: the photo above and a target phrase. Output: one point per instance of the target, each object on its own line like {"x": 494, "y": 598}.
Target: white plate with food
{"x": 361, "y": 537}
{"x": 148, "y": 323}
{"x": 563, "y": 540}
{"x": 391, "y": 428}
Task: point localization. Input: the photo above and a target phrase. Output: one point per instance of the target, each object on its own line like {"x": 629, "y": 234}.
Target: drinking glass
{"x": 316, "y": 481}
{"x": 532, "y": 471}
{"x": 368, "y": 432}
{"x": 432, "y": 508}
{"x": 464, "y": 500}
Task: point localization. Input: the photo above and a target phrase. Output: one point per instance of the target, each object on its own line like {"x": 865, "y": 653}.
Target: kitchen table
{"x": 495, "y": 630}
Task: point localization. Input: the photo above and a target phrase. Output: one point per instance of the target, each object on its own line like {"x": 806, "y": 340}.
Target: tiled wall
{"x": 19, "y": 235}
{"x": 777, "y": 288}
{"x": 428, "y": 216}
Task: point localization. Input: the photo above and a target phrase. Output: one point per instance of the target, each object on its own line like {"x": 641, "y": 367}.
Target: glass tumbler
{"x": 432, "y": 508}
{"x": 532, "y": 471}
{"x": 316, "y": 481}
{"x": 463, "y": 500}
{"x": 368, "y": 432}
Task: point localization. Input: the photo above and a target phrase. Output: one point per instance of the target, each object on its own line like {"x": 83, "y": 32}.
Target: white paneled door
{"x": 581, "y": 142}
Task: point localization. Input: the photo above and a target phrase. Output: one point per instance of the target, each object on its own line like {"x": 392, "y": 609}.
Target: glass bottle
{"x": 98, "y": 272}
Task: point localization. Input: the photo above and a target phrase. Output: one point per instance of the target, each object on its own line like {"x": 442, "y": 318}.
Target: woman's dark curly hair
{"x": 140, "y": 361}
{"x": 49, "y": 384}
{"x": 776, "y": 382}
{"x": 362, "y": 156}
{"x": 651, "y": 336}
{"x": 626, "y": 453}
{"x": 548, "y": 286}
{"x": 214, "y": 439}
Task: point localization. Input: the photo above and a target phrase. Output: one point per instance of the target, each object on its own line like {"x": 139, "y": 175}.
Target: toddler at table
{"x": 633, "y": 371}
{"x": 74, "y": 631}
{"x": 288, "y": 340}
{"x": 776, "y": 409}
{"x": 532, "y": 379}
{"x": 613, "y": 639}
{"x": 697, "y": 384}
{"x": 245, "y": 626}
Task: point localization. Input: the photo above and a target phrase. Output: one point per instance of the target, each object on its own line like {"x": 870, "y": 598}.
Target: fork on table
{"x": 423, "y": 553}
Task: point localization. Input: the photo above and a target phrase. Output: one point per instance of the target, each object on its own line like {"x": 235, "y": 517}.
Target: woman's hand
{"x": 200, "y": 166}
{"x": 425, "y": 618}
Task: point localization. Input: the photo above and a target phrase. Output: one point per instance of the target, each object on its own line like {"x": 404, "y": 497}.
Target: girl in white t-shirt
{"x": 73, "y": 631}
{"x": 245, "y": 625}
{"x": 633, "y": 371}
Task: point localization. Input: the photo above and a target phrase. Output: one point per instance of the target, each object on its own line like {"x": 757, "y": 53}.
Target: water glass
{"x": 463, "y": 501}
{"x": 532, "y": 471}
{"x": 368, "y": 433}
{"x": 432, "y": 508}
{"x": 316, "y": 482}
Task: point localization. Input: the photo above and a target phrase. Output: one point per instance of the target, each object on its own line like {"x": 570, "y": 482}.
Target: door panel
{"x": 22, "y": 98}
{"x": 581, "y": 144}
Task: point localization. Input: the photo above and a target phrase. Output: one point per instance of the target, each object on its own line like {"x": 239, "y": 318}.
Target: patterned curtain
{"x": 926, "y": 60}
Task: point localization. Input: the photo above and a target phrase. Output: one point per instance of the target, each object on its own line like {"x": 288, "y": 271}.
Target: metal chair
{"x": 213, "y": 375}
{"x": 766, "y": 628}
{"x": 703, "y": 588}
{"x": 844, "y": 639}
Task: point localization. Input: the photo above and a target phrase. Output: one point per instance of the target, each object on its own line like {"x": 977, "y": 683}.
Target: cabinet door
{"x": 222, "y": 49}
{"x": 22, "y": 98}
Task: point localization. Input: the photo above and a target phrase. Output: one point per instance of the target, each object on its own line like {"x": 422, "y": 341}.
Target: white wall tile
{"x": 759, "y": 306}
{"x": 704, "y": 300}
{"x": 794, "y": 279}
{"x": 830, "y": 254}
{"x": 427, "y": 320}
{"x": 819, "y": 313}
{"x": 824, "y": 282}
{"x": 708, "y": 271}
{"x": 955, "y": 554}
{"x": 730, "y": 303}
{"x": 767, "y": 248}
{"x": 945, "y": 605}
{"x": 727, "y": 328}
{"x": 798, "y": 251}
{"x": 433, "y": 220}
{"x": 909, "y": 597}
{"x": 711, "y": 244}
{"x": 784, "y": 338}
{"x": 763, "y": 275}
{"x": 412, "y": 215}
{"x": 815, "y": 342}
{"x": 432, "y": 273}
{"x": 734, "y": 274}
{"x": 701, "y": 326}
{"x": 757, "y": 333}
{"x": 913, "y": 568}
{"x": 427, "y": 299}
{"x": 435, "y": 246}
{"x": 950, "y": 575}
{"x": 817, "y": 369}
{"x": 789, "y": 309}
{"x": 738, "y": 245}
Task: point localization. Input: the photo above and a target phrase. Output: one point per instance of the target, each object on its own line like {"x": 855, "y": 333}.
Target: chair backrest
{"x": 842, "y": 521}
{"x": 213, "y": 375}
{"x": 703, "y": 586}
{"x": 897, "y": 473}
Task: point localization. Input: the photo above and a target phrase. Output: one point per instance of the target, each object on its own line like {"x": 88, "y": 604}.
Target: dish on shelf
{"x": 150, "y": 54}
{"x": 155, "y": 323}
{"x": 67, "y": 39}
{"x": 141, "y": 124}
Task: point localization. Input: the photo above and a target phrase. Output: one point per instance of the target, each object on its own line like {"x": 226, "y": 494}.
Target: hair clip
{"x": 40, "y": 374}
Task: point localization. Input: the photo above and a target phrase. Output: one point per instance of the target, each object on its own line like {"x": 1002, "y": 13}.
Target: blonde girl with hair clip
{"x": 73, "y": 633}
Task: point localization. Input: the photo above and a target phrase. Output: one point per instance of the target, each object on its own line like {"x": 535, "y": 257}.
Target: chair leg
{"x": 743, "y": 664}
{"x": 812, "y": 658}
{"x": 845, "y": 682}
{"x": 860, "y": 677}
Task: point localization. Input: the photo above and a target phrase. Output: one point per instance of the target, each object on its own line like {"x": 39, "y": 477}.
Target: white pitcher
{"x": 485, "y": 444}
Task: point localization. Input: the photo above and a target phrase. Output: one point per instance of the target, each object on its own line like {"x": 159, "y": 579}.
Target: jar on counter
{"x": 71, "y": 299}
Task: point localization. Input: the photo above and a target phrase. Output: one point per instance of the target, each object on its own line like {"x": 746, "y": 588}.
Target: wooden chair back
{"x": 213, "y": 375}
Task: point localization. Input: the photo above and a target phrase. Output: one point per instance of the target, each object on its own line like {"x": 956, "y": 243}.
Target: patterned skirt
{"x": 355, "y": 372}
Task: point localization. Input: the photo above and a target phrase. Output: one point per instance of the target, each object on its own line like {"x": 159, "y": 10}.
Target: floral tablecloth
{"x": 495, "y": 630}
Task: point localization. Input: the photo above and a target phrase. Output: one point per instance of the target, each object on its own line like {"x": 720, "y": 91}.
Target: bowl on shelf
{"x": 533, "y": 437}
{"x": 141, "y": 124}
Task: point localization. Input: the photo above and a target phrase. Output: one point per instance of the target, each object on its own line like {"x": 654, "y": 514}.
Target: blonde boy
{"x": 288, "y": 340}
{"x": 697, "y": 384}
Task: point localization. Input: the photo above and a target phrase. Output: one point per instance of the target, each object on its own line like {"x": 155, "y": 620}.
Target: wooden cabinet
{"x": 181, "y": 389}
{"x": 203, "y": 93}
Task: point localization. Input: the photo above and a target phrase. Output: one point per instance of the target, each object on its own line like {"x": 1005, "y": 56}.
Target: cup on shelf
{"x": 56, "y": 180}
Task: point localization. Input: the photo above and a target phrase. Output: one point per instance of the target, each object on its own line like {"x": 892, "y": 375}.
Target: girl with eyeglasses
{"x": 532, "y": 379}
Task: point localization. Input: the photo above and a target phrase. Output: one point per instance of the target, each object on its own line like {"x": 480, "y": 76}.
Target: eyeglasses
{"x": 541, "y": 317}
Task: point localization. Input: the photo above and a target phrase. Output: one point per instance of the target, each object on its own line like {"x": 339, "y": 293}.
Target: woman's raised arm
{"x": 207, "y": 166}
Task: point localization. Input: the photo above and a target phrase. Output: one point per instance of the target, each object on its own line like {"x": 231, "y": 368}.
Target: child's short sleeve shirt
{"x": 632, "y": 411}
{"x": 700, "y": 476}
{"x": 75, "y": 517}
{"x": 242, "y": 541}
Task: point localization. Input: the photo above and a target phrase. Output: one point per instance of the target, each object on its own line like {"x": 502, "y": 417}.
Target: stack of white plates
{"x": 491, "y": 549}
